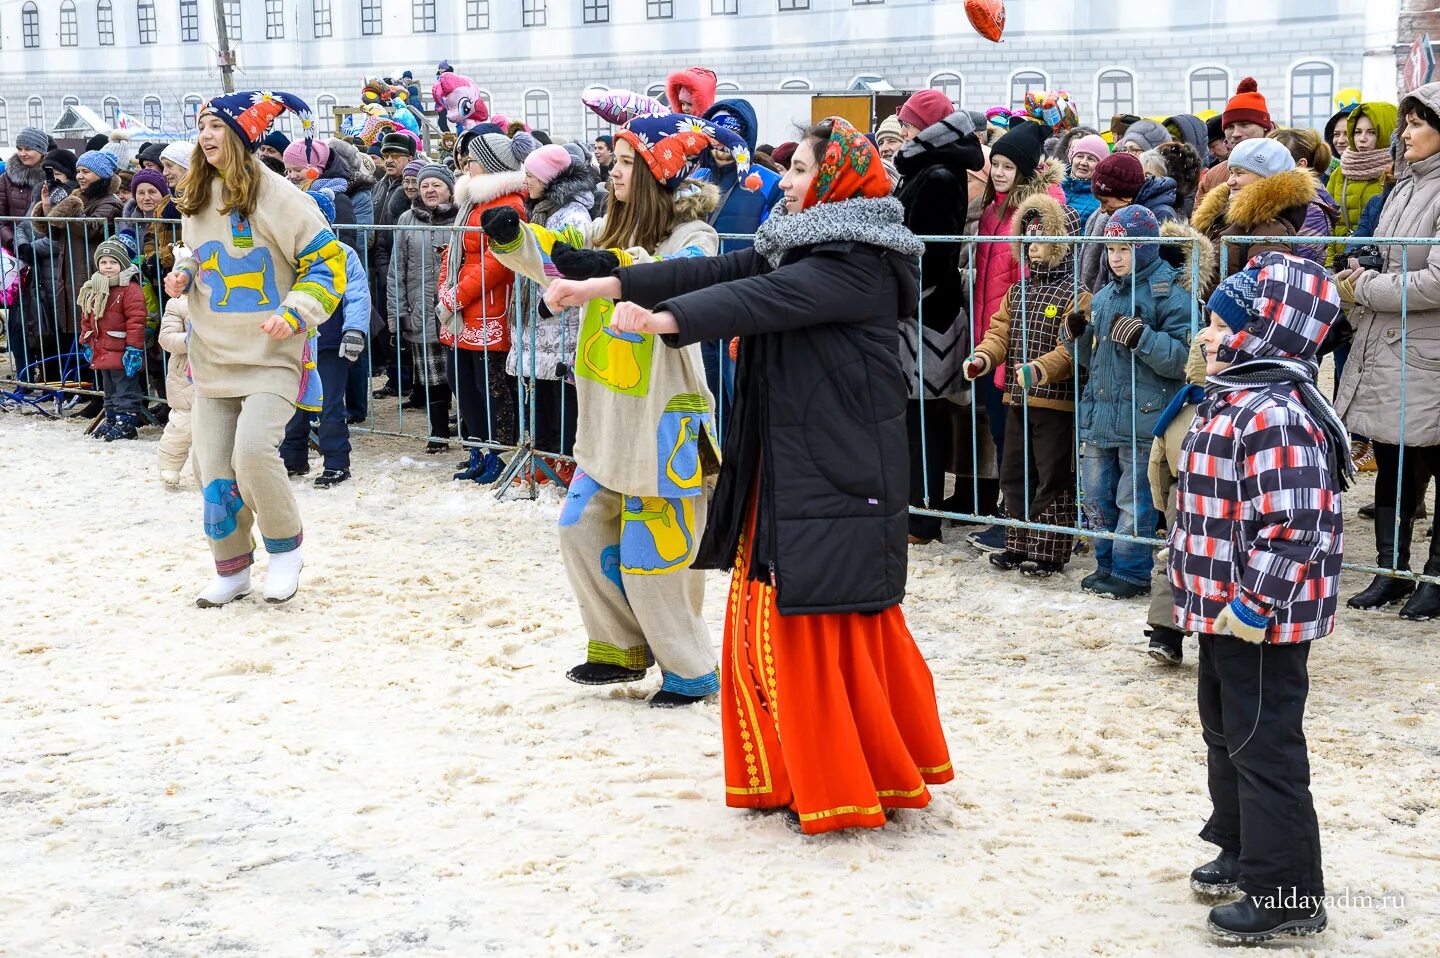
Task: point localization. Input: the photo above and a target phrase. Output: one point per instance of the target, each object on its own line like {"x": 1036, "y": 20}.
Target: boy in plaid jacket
{"x": 1254, "y": 565}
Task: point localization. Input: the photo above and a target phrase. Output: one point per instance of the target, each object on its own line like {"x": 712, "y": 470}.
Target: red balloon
{"x": 987, "y": 17}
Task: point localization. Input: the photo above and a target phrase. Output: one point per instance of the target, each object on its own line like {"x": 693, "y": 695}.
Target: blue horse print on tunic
{"x": 244, "y": 284}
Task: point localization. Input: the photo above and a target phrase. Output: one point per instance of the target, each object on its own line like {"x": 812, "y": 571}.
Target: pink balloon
{"x": 621, "y": 106}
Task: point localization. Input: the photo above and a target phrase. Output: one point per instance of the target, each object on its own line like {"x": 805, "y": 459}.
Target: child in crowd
{"x": 179, "y": 391}
{"x": 1138, "y": 333}
{"x": 1085, "y": 154}
{"x": 1024, "y": 337}
{"x": 1254, "y": 564}
{"x": 340, "y": 342}
{"x": 112, "y": 337}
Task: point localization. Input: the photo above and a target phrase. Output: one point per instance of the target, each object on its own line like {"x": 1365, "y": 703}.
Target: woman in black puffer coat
{"x": 810, "y": 509}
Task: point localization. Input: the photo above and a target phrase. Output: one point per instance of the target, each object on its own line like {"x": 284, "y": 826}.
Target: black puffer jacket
{"x": 820, "y": 404}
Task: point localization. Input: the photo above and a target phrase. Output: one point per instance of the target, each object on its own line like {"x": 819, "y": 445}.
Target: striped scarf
{"x": 1300, "y": 374}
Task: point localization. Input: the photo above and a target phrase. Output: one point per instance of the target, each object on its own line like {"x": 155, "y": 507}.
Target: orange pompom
{"x": 753, "y": 183}
{"x": 1248, "y": 85}
{"x": 312, "y": 173}
{"x": 735, "y": 349}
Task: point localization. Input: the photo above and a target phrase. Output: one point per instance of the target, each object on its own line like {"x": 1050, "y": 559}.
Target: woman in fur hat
{"x": 1265, "y": 194}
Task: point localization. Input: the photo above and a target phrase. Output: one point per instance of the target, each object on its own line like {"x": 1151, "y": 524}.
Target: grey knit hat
{"x": 115, "y": 249}
{"x": 434, "y": 171}
{"x": 501, "y": 154}
{"x": 1146, "y": 133}
{"x": 31, "y": 138}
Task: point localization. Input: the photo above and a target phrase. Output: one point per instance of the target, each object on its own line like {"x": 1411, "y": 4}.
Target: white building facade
{"x": 156, "y": 59}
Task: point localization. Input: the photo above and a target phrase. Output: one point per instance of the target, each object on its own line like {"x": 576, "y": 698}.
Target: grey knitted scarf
{"x": 1299, "y": 373}
{"x": 872, "y": 222}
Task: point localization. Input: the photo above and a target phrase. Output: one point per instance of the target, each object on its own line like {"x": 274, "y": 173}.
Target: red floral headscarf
{"x": 849, "y": 167}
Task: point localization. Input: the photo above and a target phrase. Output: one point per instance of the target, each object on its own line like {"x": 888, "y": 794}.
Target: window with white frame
{"x": 325, "y": 114}
{"x": 105, "y": 23}
{"x": 4, "y": 123}
{"x": 786, "y": 5}
{"x": 68, "y": 102}
{"x": 724, "y": 8}
{"x": 532, "y": 13}
{"x": 274, "y": 19}
{"x": 112, "y": 111}
{"x": 190, "y": 110}
{"x": 189, "y": 21}
{"x": 320, "y": 15}
{"x": 30, "y": 26}
{"x": 231, "y": 9}
{"x": 422, "y": 16}
{"x": 1312, "y": 92}
{"x": 595, "y": 11}
{"x": 1209, "y": 89}
{"x": 35, "y": 113}
{"x": 1021, "y": 84}
{"x": 725, "y": 86}
{"x": 372, "y": 18}
{"x": 865, "y": 3}
{"x": 659, "y": 9}
{"x": 154, "y": 113}
{"x": 537, "y": 109}
{"x": 949, "y": 84}
{"x": 1114, "y": 94}
{"x": 69, "y": 24}
{"x": 477, "y": 14}
{"x": 657, "y": 91}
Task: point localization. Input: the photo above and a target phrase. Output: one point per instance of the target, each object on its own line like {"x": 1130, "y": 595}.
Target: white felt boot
{"x": 282, "y": 576}
{"x": 225, "y": 588}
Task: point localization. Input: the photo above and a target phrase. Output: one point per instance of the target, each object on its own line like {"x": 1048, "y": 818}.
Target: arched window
{"x": 1209, "y": 89}
{"x": 190, "y": 110}
{"x": 30, "y": 26}
{"x": 105, "y": 23}
{"x": 950, "y": 84}
{"x": 145, "y": 19}
{"x": 274, "y": 19}
{"x": 69, "y": 25}
{"x": 35, "y": 113}
{"x": 325, "y": 114}
{"x": 1114, "y": 94}
{"x": 1312, "y": 92}
{"x": 796, "y": 83}
{"x": 594, "y": 125}
{"x": 422, "y": 16}
{"x": 69, "y": 101}
{"x": 112, "y": 112}
{"x": 1022, "y": 83}
{"x": 189, "y": 21}
{"x": 537, "y": 109}
{"x": 726, "y": 86}
{"x": 154, "y": 113}
{"x": 657, "y": 90}
{"x": 324, "y": 26}
{"x": 4, "y": 123}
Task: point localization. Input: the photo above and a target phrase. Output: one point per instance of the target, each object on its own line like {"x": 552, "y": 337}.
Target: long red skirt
{"x": 832, "y": 715}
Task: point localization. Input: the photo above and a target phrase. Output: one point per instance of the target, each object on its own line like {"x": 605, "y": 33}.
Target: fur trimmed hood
{"x": 481, "y": 189}
{"x": 1049, "y": 173}
{"x": 695, "y": 200}
{"x": 1275, "y": 197}
{"x": 1055, "y": 218}
{"x": 1184, "y": 258}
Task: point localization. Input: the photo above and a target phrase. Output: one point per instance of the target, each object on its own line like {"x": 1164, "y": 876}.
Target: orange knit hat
{"x": 1247, "y": 106}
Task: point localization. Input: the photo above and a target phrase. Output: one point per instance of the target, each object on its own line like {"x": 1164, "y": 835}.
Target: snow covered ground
{"x": 393, "y": 764}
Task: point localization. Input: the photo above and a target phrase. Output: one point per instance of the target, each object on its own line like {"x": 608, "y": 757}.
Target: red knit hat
{"x": 926, "y": 108}
{"x": 1119, "y": 175}
{"x": 1247, "y": 106}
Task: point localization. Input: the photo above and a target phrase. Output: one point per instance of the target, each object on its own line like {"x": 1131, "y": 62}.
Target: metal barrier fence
{"x": 404, "y": 342}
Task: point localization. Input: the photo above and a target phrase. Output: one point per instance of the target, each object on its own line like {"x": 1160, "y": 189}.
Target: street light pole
{"x": 227, "y": 56}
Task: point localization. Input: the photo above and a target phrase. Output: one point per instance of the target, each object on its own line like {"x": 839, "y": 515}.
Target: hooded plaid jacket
{"x": 1259, "y": 512}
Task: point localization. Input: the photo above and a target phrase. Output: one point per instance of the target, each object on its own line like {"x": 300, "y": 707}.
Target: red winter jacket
{"x": 483, "y": 292}
{"x": 123, "y": 324}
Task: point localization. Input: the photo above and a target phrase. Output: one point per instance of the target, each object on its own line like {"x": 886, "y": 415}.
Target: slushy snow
{"x": 394, "y": 764}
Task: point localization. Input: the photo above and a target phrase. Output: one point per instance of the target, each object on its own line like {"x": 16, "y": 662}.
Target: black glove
{"x": 25, "y": 253}
{"x": 501, "y": 224}
{"x": 1073, "y": 326}
{"x": 544, "y": 309}
{"x": 1126, "y": 330}
{"x": 583, "y": 263}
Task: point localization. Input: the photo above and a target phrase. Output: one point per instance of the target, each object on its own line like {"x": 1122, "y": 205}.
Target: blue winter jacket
{"x": 741, "y": 210}
{"x": 1111, "y": 415}
{"x": 355, "y": 305}
{"x": 1079, "y": 197}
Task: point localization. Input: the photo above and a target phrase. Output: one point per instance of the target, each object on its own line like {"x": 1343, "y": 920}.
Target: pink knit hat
{"x": 926, "y": 108}
{"x": 319, "y": 154}
{"x": 548, "y": 162}
{"x": 1092, "y": 144}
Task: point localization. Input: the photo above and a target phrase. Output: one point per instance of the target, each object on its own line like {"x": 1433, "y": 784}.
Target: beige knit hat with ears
{"x": 890, "y": 127}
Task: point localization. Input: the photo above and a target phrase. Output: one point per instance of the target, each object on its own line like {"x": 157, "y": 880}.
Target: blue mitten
{"x": 134, "y": 359}
{"x": 88, "y": 353}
